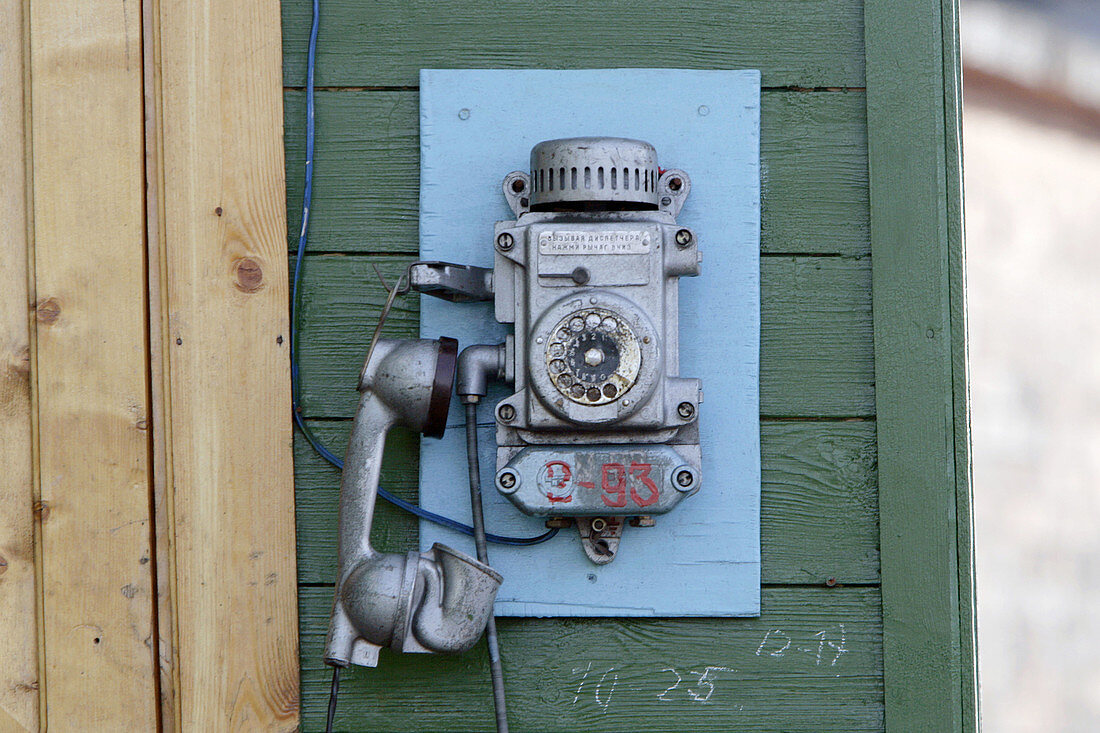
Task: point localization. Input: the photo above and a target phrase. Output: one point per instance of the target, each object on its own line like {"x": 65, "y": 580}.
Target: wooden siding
{"x": 19, "y": 708}
{"x": 90, "y": 367}
{"x": 223, "y": 332}
{"x": 120, "y": 455}
{"x": 820, "y": 515}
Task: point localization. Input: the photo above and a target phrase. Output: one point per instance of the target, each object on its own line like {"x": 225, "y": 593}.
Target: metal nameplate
{"x": 591, "y": 242}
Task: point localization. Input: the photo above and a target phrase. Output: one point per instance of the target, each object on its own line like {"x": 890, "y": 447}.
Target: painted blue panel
{"x": 703, "y": 558}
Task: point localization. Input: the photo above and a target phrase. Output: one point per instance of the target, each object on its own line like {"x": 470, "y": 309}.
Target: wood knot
{"x": 250, "y": 277}
{"x": 47, "y": 311}
{"x": 42, "y": 510}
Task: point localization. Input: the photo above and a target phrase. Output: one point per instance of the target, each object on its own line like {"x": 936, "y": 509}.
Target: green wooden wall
{"x": 817, "y": 658}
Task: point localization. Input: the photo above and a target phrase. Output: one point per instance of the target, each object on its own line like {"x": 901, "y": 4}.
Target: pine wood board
{"x": 228, "y": 385}
{"x": 18, "y": 590}
{"x": 91, "y": 367}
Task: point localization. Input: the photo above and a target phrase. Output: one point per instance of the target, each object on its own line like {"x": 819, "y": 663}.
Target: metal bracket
{"x": 448, "y": 281}
{"x": 517, "y": 191}
{"x": 673, "y": 187}
{"x": 600, "y": 537}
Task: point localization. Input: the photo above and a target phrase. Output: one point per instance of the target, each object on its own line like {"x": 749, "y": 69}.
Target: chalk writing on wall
{"x": 703, "y": 686}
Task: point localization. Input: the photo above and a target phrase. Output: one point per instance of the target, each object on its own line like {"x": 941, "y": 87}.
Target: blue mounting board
{"x": 703, "y": 558}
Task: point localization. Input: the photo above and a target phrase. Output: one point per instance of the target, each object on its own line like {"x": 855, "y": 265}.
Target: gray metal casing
{"x": 629, "y": 264}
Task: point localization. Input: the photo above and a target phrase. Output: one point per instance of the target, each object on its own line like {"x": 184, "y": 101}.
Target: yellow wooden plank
{"x": 224, "y": 221}
{"x": 18, "y": 599}
{"x": 91, "y": 366}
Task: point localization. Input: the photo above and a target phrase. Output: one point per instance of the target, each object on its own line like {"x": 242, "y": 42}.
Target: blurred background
{"x": 1031, "y": 127}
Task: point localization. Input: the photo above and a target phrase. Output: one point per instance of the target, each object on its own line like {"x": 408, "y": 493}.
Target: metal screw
{"x": 683, "y": 237}
{"x": 507, "y": 480}
{"x": 518, "y": 185}
{"x": 507, "y": 413}
{"x": 684, "y": 478}
{"x": 685, "y": 410}
{"x": 505, "y": 241}
{"x": 675, "y": 184}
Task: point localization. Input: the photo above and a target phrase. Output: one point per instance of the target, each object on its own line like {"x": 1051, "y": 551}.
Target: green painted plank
{"x": 819, "y": 511}
{"x": 960, "y": 365}
{"x": 819, "y": 502}
{"x": 816, "y": 355}
{"x": 916, "y": 245}
{"x": 784, "y": 671}
{"x": 808, "y": 43}
{"x": 366, "y": 172}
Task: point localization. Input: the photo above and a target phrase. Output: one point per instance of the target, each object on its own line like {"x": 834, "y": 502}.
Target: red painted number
{"x": 640, "y": 471}
{"x": 613, "y": 482}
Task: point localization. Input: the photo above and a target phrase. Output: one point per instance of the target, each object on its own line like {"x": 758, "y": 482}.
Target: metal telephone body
{"x": 601, "y": 423}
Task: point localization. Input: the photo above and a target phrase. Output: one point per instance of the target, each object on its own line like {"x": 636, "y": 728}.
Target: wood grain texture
{"x": 818, "y": 502}
{"x": 228, "y": 369}
{"x": 783, "y": 671}
{"x": 916, "y": 245}
{"x": 815, "y": 352}
{"x": 18, "y": 595}
{"x": 806, "y": 43}
{"x": 366, "y": 182}
{"x": 86, "y": 120}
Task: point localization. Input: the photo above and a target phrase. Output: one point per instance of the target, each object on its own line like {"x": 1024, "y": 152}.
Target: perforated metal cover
{"x": 593, "y": 170}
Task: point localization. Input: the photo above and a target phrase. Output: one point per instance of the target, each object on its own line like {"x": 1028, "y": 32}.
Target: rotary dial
{"x": 593, "y": 356}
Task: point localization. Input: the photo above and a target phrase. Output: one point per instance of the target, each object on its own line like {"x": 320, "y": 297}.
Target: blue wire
{"x": 307, "y": 199}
